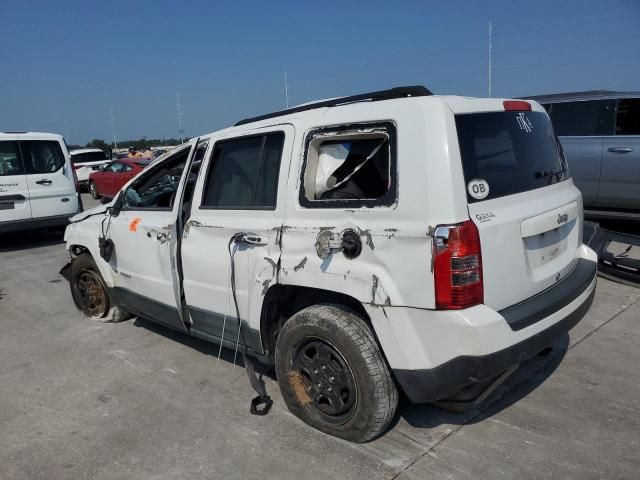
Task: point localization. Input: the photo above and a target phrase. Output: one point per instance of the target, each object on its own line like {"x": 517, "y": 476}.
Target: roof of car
{"x": 32, "y": 135}
{"x": 580, "y": 96}
{"x": 380, "y": 95}
{"x": 457, "y": 104}
{"x": 85, "y": 150}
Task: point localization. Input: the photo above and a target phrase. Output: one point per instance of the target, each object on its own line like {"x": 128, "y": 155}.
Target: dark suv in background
{"x": 600, "y": 134}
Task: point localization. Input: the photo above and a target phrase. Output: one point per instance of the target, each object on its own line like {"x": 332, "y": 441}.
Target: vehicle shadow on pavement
{"x": 14, "y": 242}
{"x": 207, "y": 348}
{"x": 523, "y": 381}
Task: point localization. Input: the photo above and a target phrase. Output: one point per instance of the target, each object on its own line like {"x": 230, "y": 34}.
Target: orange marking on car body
{"x": 133, "y": 226}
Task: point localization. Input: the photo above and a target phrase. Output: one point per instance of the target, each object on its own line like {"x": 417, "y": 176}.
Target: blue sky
{"x": 66, "y": 63}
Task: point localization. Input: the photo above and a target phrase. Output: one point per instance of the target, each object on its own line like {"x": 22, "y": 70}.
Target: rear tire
{"x": 332, "y": 374}
{"x": 93, "y": 190}
{"x": 90, "y": 293}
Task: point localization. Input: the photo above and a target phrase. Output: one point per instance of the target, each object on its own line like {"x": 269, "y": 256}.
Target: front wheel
{"x": 90, "y": 293}
{"x": 332, "y": 374}
{"x": 93, "y": 190}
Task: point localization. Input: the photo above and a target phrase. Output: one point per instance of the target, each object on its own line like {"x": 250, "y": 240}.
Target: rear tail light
{"x": 516, "y": 105}
{"x": 457, "y": 266}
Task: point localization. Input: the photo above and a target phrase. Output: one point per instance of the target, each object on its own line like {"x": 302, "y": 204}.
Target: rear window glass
{"x": 244, "y": 173}
{"x": 504, "y": 153}
{"x": 88, "y": 157}
{"x": 9, "y": 161}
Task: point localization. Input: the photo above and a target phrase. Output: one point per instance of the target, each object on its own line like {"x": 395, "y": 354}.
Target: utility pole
{"x": 490, "y": 54}
{"x": 66, "y": 130}
{"x": 113, "y": 128}
{"x": 286, "y": 89}
{"x": 180, "y": 118}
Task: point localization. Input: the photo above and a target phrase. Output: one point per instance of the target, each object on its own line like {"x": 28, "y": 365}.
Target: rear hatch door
{"x": 521, "y": 198}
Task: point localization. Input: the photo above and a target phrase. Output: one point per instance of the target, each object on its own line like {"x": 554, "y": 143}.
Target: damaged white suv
{"x": 366, "y": 245}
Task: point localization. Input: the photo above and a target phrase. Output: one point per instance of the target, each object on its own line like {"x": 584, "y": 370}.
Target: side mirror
{"x": 117, "y": 206}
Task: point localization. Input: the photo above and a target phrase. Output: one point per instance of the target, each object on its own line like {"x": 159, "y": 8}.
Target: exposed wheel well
{"x": 282, "y": 301}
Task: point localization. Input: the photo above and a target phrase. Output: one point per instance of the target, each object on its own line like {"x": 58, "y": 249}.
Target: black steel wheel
{"x": 332, "y": 374}
{"x": 327, "y": 378}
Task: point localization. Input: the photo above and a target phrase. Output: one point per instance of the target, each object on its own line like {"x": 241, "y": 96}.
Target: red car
{"x": 111, "y": 177}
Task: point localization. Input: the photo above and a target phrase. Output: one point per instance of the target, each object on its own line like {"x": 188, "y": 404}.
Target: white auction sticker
{"x": 478, "y": 188}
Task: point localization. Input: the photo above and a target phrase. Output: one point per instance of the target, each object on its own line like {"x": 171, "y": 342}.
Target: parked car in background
{"x": 394, "y": 240}
{"x": 600, "y": 135}
{"x": 37, "y": 181}
{"x": 112, "y": 176}
{"x": 85, "y": 161}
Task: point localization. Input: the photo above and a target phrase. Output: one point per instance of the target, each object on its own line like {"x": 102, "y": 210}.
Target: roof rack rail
{"x": 397, "y": 92}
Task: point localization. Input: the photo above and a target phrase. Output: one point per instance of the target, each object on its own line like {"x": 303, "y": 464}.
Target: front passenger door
{"x": 144, "y": 237}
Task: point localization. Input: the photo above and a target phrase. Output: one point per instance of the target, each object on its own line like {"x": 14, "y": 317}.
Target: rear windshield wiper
{"x": 551, "y": 174}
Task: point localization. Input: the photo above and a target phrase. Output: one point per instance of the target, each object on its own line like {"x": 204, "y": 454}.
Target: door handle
{"x": 44, "y": 182}
{"x": 254, "y": 239}
{"x": 620, "y": 149}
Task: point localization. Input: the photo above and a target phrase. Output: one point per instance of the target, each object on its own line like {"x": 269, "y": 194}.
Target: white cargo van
{"x": 366, "y": 245}
{"x": 37, "y": 181}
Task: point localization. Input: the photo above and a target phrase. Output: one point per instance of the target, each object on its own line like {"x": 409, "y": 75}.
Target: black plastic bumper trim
{"x": 12, "y": 198}
{"x": 526, "y": 313}
{"x": 424, "y": 386}
{"x": 34, "y": 223}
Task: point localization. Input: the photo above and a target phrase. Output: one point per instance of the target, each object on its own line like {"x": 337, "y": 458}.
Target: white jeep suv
{"x": 366, "y": 245}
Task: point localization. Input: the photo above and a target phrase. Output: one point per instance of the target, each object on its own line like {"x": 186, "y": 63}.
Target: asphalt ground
{"x": 84, "y": 400}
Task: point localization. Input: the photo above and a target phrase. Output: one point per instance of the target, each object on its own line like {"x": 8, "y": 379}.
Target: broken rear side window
{"x": 351, "y": 166}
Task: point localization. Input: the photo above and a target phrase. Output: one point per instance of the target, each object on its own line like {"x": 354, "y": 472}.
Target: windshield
{"x": 505, "y": 153}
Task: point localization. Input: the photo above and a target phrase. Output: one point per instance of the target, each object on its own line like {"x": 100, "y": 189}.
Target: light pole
{"x": 180, "y": 130}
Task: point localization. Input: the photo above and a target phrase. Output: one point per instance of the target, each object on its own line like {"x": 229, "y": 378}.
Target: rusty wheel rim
{"x": 93, "y": 295}
{"x": 327, "y": 378}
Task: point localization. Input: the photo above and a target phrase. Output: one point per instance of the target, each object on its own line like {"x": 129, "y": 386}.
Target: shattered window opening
{"x": 352, "y": 166}
{"x": 157, "y": 189}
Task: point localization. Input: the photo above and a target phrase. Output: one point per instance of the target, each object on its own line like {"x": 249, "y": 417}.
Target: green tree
{"x": 99, "y": 143}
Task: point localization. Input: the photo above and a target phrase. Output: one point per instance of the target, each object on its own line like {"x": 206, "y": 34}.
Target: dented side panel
{"x": 394, "y": 265}
{"x": 206, "y": 256}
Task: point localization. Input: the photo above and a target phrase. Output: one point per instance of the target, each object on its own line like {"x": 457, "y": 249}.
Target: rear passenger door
{"x": 49, "y": 177}
{"x": 581, "y": 127}
{"x": 620, "y": 179}
{"x": 240, "y": 194}
{"x": 14, "y": 193}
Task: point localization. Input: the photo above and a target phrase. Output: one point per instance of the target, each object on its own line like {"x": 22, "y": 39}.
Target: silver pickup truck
{"x": 600, "y": 134}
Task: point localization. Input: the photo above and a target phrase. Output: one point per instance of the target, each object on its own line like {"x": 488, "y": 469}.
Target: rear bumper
{"x": 548, "y": 316}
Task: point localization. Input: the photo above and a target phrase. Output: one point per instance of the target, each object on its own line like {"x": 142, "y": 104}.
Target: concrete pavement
{"x": 80, "y": 399}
